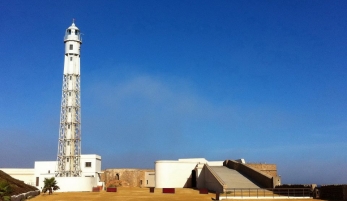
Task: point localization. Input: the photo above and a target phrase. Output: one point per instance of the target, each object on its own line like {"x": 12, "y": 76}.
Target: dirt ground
{"x": 128, "y": 194}
{"x": 134, "y": 193}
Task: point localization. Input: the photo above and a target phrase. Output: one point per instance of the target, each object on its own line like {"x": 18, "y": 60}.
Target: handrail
{"x": 267, "y": 192}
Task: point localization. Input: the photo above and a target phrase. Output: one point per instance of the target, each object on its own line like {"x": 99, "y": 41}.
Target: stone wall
{"x": 270, "y": 169}
{"x": 24, "y": 196}
{"x": 126, "y": 177}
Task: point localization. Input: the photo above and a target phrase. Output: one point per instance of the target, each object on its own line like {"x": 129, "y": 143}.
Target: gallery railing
{"x": 266, "y": 192}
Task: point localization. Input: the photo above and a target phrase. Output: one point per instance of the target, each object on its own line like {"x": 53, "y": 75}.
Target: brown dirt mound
{"x": 17, "y": 186}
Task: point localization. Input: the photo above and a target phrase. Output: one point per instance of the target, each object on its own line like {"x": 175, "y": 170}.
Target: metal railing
{"x": 266, "y": 192}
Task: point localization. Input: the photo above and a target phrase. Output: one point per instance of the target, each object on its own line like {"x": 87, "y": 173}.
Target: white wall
{"x": 94, "y": 170}
{"x": 24, "y": 174}
{"x": 173, "y": 174}
{"x": 75, "y": 184}
{"x": 149, "y": 179}
{"x": 197, "y": 160}
{"x": 95, "y": 161}
{"x": 44, "y": 169}
{"x": 215, "y": 163}
{"x": 178, "y": 174}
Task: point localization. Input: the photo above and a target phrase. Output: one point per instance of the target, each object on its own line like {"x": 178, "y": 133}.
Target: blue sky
{"x": 260, "y": 80}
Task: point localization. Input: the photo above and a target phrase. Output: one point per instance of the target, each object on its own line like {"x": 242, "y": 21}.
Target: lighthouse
{"x": 73, "y": 171}
{"x": 69, "y": 144}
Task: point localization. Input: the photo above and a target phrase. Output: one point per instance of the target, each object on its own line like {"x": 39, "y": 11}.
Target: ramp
{"x": 232, "y": 178}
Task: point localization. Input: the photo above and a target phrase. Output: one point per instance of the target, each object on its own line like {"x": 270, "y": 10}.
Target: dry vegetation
{"x": 17, "y": 186}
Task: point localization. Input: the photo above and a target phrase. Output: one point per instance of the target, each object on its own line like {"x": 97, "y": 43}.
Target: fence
{"x": 266, "y": 193}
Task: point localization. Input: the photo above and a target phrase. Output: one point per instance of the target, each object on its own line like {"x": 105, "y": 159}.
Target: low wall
{"x": 75, "y": 184}
{"x": 258, "y": 177}
{"x": 25, "y": 196}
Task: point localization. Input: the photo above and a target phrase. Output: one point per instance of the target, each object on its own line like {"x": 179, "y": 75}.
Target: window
{"x": 37, "y": 181}
{"x": 70, "y": 76}
{"x": 70, "y": 58}
{"x": 69, "y": 109}
{"x": 68, "y": 126}
{"x": 70, "y": 93}
{"x": 76, "y": 32}
{"x": 88, "y": 164}
{"x": 71, "y": 47}
{"x": 69, "y": 31}
{"x": 67, "y": 160}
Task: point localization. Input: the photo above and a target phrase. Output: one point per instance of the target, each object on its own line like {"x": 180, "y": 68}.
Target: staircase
{"x": 232, "y": 178}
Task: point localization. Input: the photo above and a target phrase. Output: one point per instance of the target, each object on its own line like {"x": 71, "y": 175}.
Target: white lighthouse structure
{"x": 69, "y": 145}
{"x": 74, "y": 172}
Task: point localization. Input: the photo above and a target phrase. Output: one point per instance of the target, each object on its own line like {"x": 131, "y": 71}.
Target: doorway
{"x": 193, "y": 179}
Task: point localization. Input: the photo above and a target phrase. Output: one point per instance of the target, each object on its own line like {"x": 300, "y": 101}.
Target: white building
{"x": 91, "y": 170}
{"x": 90, "y": 166}
{"x": 182, "y": 173}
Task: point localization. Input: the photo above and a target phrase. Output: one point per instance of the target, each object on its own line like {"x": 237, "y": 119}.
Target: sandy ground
{"x": 128, "y": 194}
{"x": 133, "y": 193}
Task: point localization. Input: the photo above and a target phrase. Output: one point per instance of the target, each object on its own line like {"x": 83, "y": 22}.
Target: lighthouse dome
{"x": 73, "y": 33}
{"x": 73, "y": 26}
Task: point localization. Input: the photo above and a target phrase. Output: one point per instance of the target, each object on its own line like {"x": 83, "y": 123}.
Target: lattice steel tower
{"x": 69, "y": 145}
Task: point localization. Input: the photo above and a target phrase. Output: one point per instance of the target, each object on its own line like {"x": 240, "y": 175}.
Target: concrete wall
{"x": 180, "y": 173}
{"x": 190, "y": 160}
{"x": 75, "y": 184}
{"x": 44, "y": 169}
{"x": 149, "y": 179}
{"x": 208, "y": 179}
{"x": 174, "y": 174}
{"x": 94, "y": 169}
{"x": 25, "y": 175}
{"x": 215, "y": 163}
{"x": 264, "y": 180}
